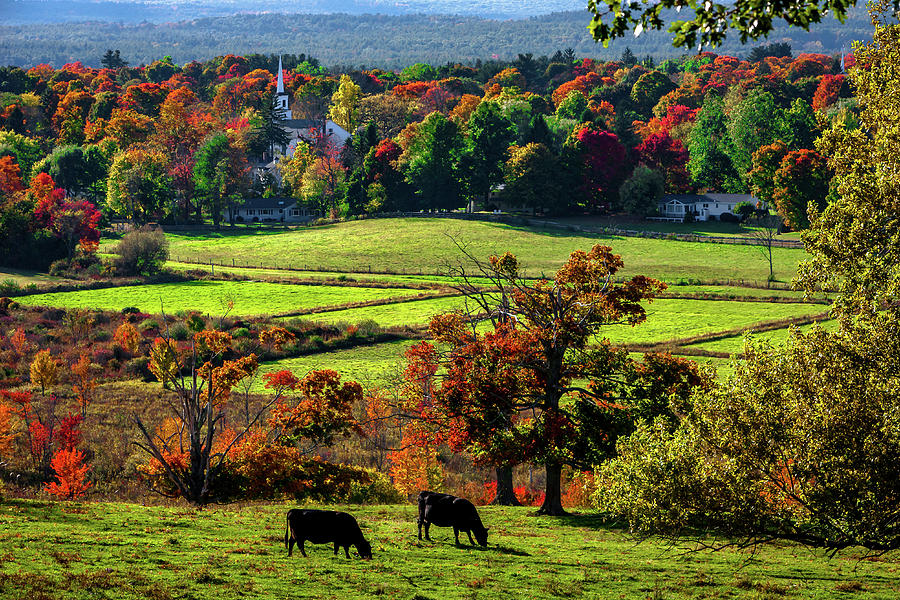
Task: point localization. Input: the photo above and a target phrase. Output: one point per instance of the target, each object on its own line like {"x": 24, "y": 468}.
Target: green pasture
{"x": 414, "y": 245}
{"x": 319, "y": 275}
{"x": 214, "y": 297}
{"x": 735, "y": 345}
{"x": 414, "y": 312}
{"x": 666, "y": 318}
{"x": 669, "y": 319}
{"x": 105, "y": 551}
{"x": 371, "y": 366}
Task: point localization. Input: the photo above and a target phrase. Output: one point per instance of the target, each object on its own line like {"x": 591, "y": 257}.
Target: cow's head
{"x": 481, "y": 536}
{"x": 365, "y": 549}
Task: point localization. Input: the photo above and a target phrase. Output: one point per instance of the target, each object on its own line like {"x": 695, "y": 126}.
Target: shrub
{"x": 139, "y": 367}
{"x": 729, "y": 218}
{"x": 131, "y": 310}
{"x": 101, "y": 355}
{"x": 179, "y": 332}
{"x": 368, "y": 328}
{"x": 196, "y": 323}
{"x": 9, "y": 286}
{"x": 142, "y": 252}
{"x": 148, "y": 325}
{"x": 240, "y": 332}
{"x": 100, "y": 335}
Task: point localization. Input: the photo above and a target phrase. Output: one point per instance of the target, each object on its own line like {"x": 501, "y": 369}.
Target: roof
{"x": 301, "y": 123}
{"x": 258, "y": 203}
{"x": 696, "y": 198}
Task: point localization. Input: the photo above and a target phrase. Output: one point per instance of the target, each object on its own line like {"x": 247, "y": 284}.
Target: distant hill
{"x": 372, "y": 40}
{"x": 15, "y": 12}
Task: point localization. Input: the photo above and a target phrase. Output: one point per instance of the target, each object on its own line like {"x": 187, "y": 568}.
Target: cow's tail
{"x": 287, "y": 531}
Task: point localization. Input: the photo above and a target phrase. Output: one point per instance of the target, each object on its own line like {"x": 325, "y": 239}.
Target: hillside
{"x": 372, "y": 40}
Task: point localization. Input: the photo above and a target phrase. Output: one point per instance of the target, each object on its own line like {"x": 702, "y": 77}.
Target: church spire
{"x": 280, "y": 88}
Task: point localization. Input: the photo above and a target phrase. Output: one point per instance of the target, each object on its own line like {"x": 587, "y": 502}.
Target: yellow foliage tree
{"x": 128, "y": 337}
{"x": 44, "y": 370}
{"x": 345, "y": 104}
{"x": 84, "y": 384}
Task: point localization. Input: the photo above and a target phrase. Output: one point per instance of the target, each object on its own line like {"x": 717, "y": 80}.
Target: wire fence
{"x": 211, "y": 263}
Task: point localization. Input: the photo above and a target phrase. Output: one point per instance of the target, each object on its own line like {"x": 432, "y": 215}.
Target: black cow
{"x": 445, "y": 510}
{"x": 324, "y": 527}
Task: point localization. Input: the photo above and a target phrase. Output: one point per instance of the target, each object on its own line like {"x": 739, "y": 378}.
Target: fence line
{"x": 212, "y": 263}
{"x": 512, "y": 220}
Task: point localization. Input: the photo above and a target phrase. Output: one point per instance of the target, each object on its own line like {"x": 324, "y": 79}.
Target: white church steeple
{"x": 281, "y": 97}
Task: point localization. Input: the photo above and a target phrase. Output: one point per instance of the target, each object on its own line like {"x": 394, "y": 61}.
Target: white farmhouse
{"x": 272, "y": 210}
{"x": 703, "y": 207}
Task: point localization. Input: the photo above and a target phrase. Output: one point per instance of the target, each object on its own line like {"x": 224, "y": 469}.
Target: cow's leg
{"x": 291, "y": 546}
{"x": 456, "y": 534}
{"x": 419, "y": 523}
{"x": 347, "y": 550}
{"x": 427, "y": 527}
{"x": 302, "y": 549}
{"x": 335, "y": 548}
{"x": 469, "y": 532}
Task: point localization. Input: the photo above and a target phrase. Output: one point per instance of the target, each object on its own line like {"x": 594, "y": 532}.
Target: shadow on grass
{"x": 590, "y": 521}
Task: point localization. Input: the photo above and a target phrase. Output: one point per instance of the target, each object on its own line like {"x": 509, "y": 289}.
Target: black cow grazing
{"x": 445, "y": 510}
{"x": 324, "y": 527}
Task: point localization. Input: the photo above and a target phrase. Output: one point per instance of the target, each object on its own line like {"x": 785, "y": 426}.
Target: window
{"x": 250, "y": 211}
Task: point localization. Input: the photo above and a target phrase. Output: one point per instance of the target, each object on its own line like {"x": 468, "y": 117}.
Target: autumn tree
{"x": 600, "y": 160}
{"x": 557, "y": 321}
{"x": 44, "y": 370}
{"x": 802, "y": 179}
{"x": 139, "y": 186}
{"x": 345, "y": 104}
{"x": 801, "y": 442}
{"x": 190, "y": 454}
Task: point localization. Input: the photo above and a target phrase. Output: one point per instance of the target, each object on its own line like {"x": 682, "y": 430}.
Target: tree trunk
{"x": 553, "y": 492}
{"x": 506, "y": 495}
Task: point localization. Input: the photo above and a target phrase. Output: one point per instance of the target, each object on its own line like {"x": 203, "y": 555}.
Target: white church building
{"x": 304, "y": 129}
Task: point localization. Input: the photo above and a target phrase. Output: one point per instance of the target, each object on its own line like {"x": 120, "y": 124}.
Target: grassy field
{"x": 320, "y": 275}
{"x": 121, "y": 551}
{"x": 673, "y": 319}
{"x": 667, "y": 318}
{"x": 735, "y": 345}
{"x": 249, "y": 297}
{"x": 426, "y": 245}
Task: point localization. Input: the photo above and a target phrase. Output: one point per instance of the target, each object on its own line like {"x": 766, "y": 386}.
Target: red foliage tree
{"x": 527, "y": 370}
{"x": 801, "y": 179}
{"x": 828, "y": 92}
{"x": 669, "y": 157}
{"x": 71, "y": 475}
{"x": 602, "y": 163}
{"x": 10, "y": 177}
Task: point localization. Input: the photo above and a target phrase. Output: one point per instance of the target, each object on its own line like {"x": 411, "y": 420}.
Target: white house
{"x": 703, "y": 207}
{"x": 272, "y": 210}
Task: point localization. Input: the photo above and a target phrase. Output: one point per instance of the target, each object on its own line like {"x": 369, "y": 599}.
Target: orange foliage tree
{"x": 71, "y": 474}
{"x": 516, "y": 391}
